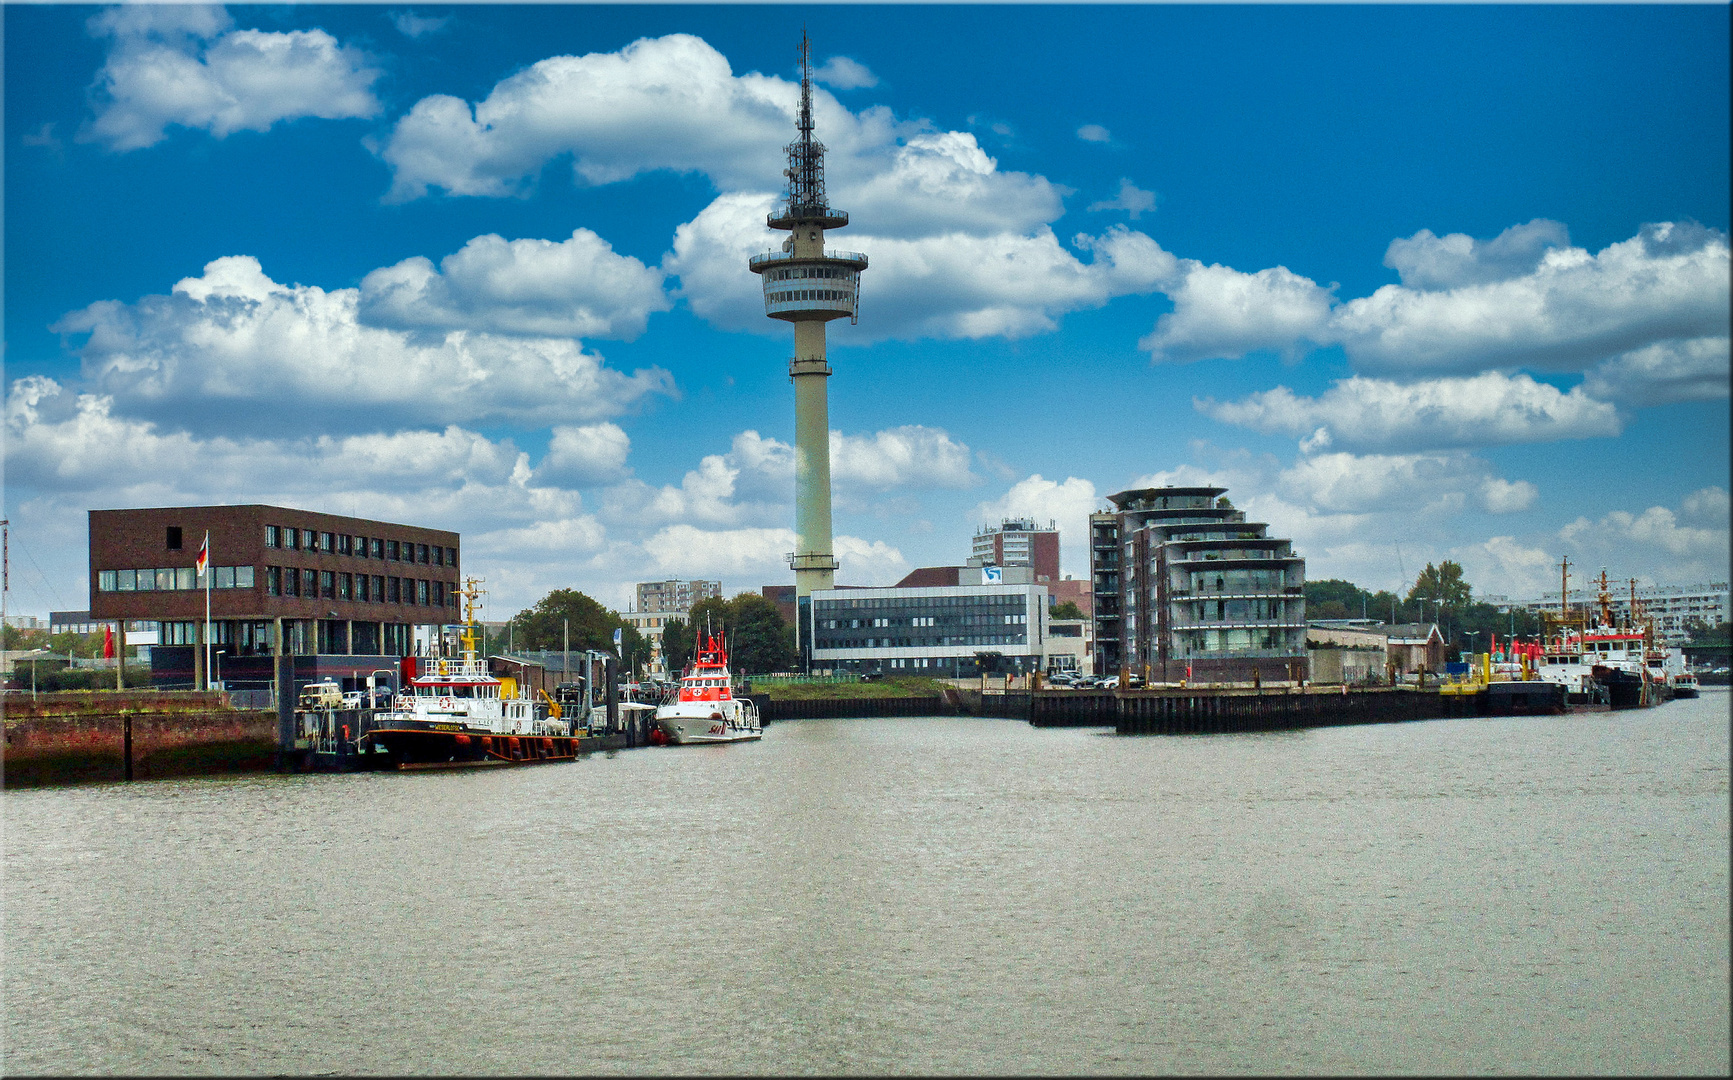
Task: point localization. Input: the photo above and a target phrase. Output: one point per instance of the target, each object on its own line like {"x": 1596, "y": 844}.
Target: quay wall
{"x": 1199, "y": 712}
{"x": 81, "y": 738}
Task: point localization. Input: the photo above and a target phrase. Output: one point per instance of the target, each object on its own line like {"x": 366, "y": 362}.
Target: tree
{"x": 1067, "y": 610}
{"x": 676, "y": 645}
{"x": 758, "y": 639}
{"x": 592, "y": 627}
{"x": 1442, "y": 584}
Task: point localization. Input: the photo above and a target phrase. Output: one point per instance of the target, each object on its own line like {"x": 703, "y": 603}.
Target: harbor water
{"x": 935, "y": 895}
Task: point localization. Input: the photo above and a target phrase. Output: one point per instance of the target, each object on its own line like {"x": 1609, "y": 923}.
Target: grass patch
{"x": 904, "y": 686}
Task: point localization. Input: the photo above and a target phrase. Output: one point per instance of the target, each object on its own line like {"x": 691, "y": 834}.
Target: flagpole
{"x": 206, "y": 571}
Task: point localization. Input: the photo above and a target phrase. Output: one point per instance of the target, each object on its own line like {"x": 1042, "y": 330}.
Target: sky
{"x": 1413, "y": 283}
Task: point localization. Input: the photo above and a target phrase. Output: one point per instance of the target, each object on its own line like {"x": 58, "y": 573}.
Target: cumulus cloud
{"x": 187, "y": 66}
{"x": 1415, "y": 483}
{"x": 1504, "y": 565}
{"x": 1068, "y": 502}
{"x": 844, "y": 74}
{"x": 574, "y": 288}
{"x": 1517, "y": 301}
{"x": 1664, "y": 372}
{"x": 1094, "y": 133}
{"x": 907, "y": 456}
{"x": 1361, "y": 413}
{"x": 1669, "y": 282}
{"x": 1430, "y": 262}
{"x": 1655, "y": 543}
{"x": 1219, "y": 311}
{"x": 1131, "y": 198}
{"x": 234, "y": 341}
{"x": 582, "y": 456}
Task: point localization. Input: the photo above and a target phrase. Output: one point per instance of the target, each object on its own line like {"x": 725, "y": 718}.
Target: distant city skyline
{"x": 1414, "y": 283}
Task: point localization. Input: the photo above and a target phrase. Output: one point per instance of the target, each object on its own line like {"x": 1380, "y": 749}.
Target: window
{"x": 124, "y": 580}
{"x": 421, "y": 592}
{"x": 378, "y": 589}
{"x": 223, "y": 577}
{"x": 327, "y": 543}
{"x": 438, "y": 555}
{"x": 361, "y": 546}
{"x": 394, "y": 590}
{"x": 174, "y": 537}
{"x": 345, "y": 544}
{"x": 345, "y": 586}
{"x": 273, "y": 580}
{"x": 421, "y": 553}
{"x": 362, "y": 592}
{"x": 378, "y": 548}
{"x": 451, "y": 556}
{"x": 243, "y": 577}
{"x": 438, "y": 590}
{"x": 310, "y": 584}
{"x": 184, "y": 578}
{"x": 327, "y": 584}
{"x": 391, "y": 550}
{"x": 292, "y": 538}
{"x": 272, "y": 537}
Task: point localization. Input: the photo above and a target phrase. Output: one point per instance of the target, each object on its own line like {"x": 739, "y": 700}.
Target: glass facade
{"x": 928, "y": 631}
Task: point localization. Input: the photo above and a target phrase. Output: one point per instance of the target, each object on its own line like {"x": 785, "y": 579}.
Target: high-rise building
{"x": 808, "y": 286}
{"x": 1186, "y": 588}
{"x": 1019, "y": 542}
{"x": 675, "y": 595}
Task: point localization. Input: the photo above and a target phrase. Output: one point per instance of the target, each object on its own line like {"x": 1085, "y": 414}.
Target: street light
{"x": 1471, "y": 635}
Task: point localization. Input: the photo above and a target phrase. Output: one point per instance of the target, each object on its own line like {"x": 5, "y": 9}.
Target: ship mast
{"x": 471, "y": 593}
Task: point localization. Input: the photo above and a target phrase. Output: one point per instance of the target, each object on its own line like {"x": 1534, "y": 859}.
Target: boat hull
{"x": 684, "y": 726}
{"x": 413, "y": 745}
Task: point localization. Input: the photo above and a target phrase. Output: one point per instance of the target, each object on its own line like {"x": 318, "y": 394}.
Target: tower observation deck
{"x": 808, "y": 286}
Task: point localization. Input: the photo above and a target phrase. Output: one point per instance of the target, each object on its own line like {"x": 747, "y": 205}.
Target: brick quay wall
{"x": 81, "y": 738}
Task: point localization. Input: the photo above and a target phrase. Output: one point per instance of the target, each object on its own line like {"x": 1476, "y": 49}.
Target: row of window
{"x": 794, "y": 273}
{"x": 850, "y": 606}
{"x": 920, "y": 642}
{"x": 1014, "y": 619}
{"x": 365, "y": 588}
{"x": 809, "y": 294}
{"x": 1208, "y": 641}
{"x": 361, "y": 547}
{"x": 170, "y": 578}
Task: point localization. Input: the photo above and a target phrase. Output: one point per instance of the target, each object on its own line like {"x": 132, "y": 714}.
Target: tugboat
{"x": 454, "y": 713}
{"x": 705, "y": 709}
{"x": 1604, "y": 666}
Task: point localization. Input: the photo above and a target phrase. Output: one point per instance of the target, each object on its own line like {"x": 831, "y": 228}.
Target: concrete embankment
{"x": 82, "y": 737}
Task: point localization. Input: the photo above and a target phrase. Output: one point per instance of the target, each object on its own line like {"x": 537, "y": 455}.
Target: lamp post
{"x": 1471, "y": 635}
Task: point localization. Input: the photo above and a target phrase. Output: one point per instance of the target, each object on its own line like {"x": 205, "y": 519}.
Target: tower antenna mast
{"x": 808, "y": 286}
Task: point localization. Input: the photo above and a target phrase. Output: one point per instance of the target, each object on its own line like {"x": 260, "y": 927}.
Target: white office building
{"x": 936, "y": 631}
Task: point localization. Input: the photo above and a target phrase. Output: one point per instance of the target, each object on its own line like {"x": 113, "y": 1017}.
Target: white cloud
{"x": 1131, "y": 198}
{"x": 1670, "y": 282}
{"x": 907, "y": 456}
{"x": 574, "y": 288}
{"x": 299, "y": 357}
{"x": 1363, "y": 413}
{"x": 185, "y": 65}
{"x": 1430, "y": 262}
{"x": 1413, "y": 483}
{"x": 844, "y": 74}
{"x": 1664, "y": 372}
{"x": 1094, "y": 133}
{"x": 762, "y": 553}
{"x": 1068, "y": 502}
{"x": 411, "y": 25}
{"x": 582, "y": 456}
{"x": 1505, "y": 566}
{"x": 1219, "y": 311}
{"x": 1665, "y": 288}
{"x": 661, "y": 103}
{"x": 1656, "y": 544}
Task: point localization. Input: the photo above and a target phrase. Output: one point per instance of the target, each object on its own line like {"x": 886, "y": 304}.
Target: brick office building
{"x": 344, "y": 595}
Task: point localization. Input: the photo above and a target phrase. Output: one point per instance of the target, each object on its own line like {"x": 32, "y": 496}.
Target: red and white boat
{"x": 705, "y": 710}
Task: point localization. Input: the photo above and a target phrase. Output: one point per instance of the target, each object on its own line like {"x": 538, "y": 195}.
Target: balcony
{"x": 760, "y": 263}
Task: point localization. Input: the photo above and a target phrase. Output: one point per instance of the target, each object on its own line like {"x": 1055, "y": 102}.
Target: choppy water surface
{"x": 897, "y": 895}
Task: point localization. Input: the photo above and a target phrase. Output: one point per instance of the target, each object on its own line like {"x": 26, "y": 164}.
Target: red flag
{"x": 107, "y": 641}
{"x": 204, "y": 555}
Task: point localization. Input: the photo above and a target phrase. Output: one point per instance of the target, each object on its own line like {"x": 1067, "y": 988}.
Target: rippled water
{"x": 897, "y": 895}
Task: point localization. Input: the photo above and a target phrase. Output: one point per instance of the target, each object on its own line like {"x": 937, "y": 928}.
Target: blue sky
{"x": 1412, "y": 282}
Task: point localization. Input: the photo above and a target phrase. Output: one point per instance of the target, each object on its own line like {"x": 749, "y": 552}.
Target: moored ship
{"x": 705, "y": 709}
{"x": 1605, "y": 665}
{"x": 453, "y": 711}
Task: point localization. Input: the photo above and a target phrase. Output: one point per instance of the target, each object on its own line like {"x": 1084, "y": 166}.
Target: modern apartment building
{"x": 1186, "y": 588}
{"x": 675, "y": 595}
{"x": 1675, "y": 609}
{"x": 1019, "y": 542}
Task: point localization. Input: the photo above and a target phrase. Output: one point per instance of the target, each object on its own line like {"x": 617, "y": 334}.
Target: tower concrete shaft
{"x": 808, "y": 286}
